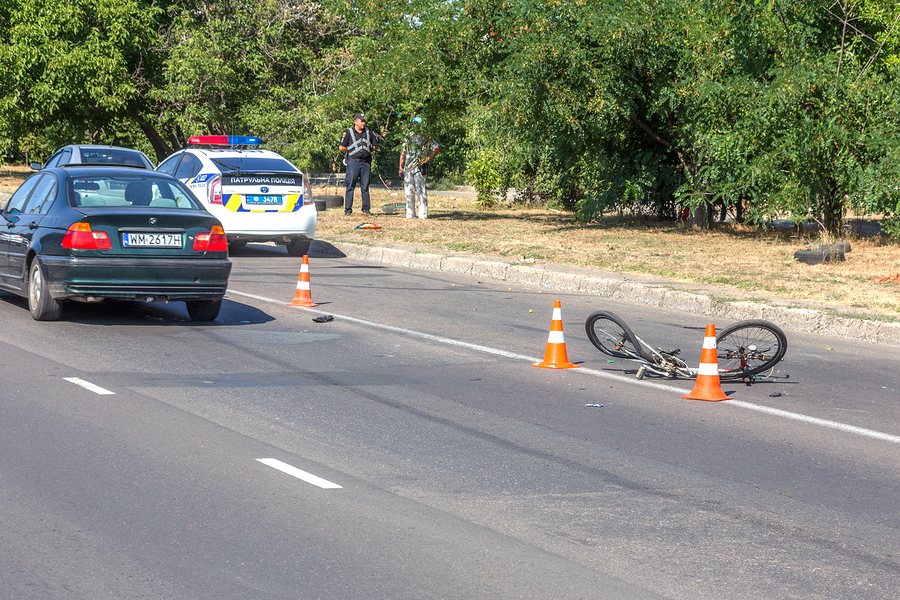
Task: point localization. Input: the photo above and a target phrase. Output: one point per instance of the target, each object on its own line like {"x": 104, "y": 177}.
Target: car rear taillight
{"x": 80, "y": 237}
{"x": 215, "y": 190}
{"x": 307, "y": 192}
{"x": 214, "y": 241}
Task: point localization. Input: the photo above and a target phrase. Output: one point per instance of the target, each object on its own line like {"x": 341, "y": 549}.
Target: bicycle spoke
{"x": 611, "y": 336}
{"x": 748, "y": 348}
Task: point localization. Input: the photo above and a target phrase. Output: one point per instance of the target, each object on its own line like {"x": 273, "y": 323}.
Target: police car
{"x": 257, "y": 194}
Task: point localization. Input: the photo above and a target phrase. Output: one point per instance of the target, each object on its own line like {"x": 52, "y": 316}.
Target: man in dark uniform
{"x": 358, "y": 144}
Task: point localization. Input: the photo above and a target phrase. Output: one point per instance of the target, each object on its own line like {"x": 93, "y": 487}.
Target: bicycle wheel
{"x": 611, "y": 335}
{"x": 748, "y": 348}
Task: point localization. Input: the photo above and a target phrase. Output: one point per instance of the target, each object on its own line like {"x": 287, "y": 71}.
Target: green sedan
{"x": 111, "y": 233}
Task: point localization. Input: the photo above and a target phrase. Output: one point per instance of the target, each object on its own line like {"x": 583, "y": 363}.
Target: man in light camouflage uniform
{"x": 417, "y": 153}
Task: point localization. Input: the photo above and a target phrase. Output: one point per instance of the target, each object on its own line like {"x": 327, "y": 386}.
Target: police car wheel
{"x": 298, "y": 247}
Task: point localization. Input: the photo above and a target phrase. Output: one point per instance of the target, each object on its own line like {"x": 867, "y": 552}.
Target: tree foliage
{"x": 764, "y": 108}
{"x": 74, "y": 69}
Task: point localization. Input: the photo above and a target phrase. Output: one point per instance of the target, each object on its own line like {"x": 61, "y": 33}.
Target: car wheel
{"x": 204, "y": 310}
{"x": 298, "y": 246}
{"x": 43, "y": 307}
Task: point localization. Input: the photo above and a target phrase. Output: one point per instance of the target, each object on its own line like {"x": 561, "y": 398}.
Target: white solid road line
{"x": 303, "y": 475}
{"x": 89, "y": 386}
{"x": 870, "y": 433}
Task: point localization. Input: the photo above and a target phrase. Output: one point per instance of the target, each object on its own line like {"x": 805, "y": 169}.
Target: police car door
{"x": 188, "y": 168}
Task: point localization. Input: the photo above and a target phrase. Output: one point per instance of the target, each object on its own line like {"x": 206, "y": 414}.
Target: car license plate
{"x": 263, "y": 200}
{"x": 151, "y": 240}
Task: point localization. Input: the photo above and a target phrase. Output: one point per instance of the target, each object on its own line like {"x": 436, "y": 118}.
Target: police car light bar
{"x": 225, "y": 140}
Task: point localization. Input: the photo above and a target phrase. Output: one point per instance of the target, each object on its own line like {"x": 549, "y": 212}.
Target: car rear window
{"x": 120, "y": 191}
{"x": 246, "y": 164}
{"x": 114, "y": 156}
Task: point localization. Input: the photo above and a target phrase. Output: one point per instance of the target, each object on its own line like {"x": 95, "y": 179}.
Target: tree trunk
{"x": 833, "y": 214}
{"x": 700, "y": 217}
{"x": 160, "y": 147}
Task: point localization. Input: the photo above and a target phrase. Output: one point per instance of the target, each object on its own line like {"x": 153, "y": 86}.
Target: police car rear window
{"x": 253, "y": 163}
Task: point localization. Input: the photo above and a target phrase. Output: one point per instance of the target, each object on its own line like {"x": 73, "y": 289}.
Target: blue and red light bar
{"x": 225, "y": 140}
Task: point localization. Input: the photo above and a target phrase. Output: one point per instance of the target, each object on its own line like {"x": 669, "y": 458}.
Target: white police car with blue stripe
{"x": 258, "y": 195}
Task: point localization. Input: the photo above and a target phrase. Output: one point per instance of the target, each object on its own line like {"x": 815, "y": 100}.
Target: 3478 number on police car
{"x": 151, "y": 240}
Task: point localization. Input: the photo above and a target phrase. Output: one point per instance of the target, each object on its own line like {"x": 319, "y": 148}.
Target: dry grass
{"x": 740, "y": 258}
{"x": 753, "y": 261}
{"x": 12, "y": 176}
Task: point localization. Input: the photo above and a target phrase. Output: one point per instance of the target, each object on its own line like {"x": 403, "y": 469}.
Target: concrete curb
{"x": 703, "y": 300}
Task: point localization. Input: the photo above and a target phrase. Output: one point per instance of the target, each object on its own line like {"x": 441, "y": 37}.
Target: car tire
{"x": 204, "y": 310}
{"x": 42, "y": 306}
{"x": 298, "y": 246}
{"x": 817, "y": 257}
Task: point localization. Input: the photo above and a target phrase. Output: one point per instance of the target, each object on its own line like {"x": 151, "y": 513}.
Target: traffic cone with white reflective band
{"x": 708, "y": 387}
{"x": 555, "y": 356}
{"x": 302, "y": 297}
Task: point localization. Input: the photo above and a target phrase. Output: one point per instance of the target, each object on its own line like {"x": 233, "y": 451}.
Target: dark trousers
{"x": 363, "y": 172}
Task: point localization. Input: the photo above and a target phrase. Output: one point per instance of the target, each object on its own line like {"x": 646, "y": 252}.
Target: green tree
{"x": 76, "y": 67}
{"x": 404, "y": 61}
{"x": 98, "y": 70}
{"x": 248, "y": 67}
{"x": 766, "y": 106}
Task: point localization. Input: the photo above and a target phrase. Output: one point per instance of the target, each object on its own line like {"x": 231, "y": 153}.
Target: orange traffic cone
{"x": 302, "y": 297}
{"x": 555, "y": 356}
{"x": 708, "y": 387}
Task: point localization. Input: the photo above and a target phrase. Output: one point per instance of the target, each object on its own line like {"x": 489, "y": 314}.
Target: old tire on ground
{"x": 41, "y": 305}
{"x": 204, "y": 310}
{"x": 298, "y": 246}
{"x": 331, "y": 201}
{"x": 842, "y": 246}
{"x": 817, "y": 257}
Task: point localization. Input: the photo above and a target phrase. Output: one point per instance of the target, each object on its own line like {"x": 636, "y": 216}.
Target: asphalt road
{"x": 408, "y": 449}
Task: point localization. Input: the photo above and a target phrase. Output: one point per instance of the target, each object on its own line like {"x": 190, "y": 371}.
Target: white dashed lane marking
{"x": 302, "y": 475}
{"x": 89, "y": 386}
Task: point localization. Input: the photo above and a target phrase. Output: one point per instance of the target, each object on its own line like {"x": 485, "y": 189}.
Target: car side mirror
{"x": 36, "y": 166}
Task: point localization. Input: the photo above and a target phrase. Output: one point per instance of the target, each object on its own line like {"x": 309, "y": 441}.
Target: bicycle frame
{"x": 665, "y": 363}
